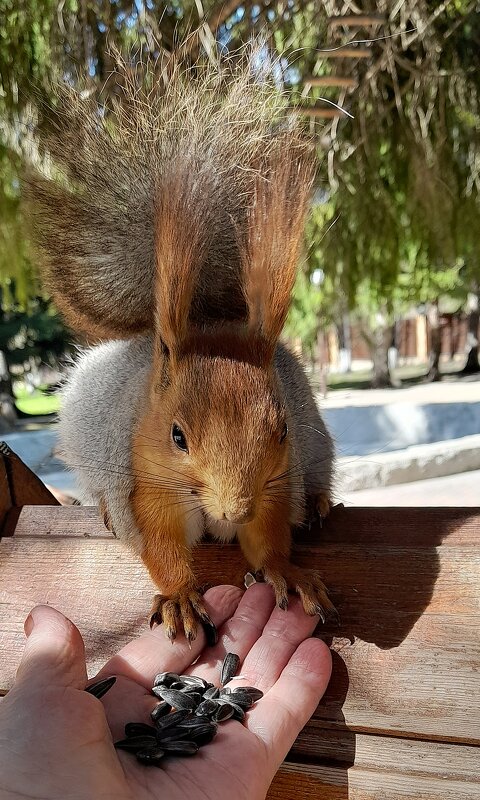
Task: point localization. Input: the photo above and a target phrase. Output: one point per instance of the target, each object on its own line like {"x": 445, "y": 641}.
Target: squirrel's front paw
{"x": 182, "y": 608}
{"x": 285, "y": 577}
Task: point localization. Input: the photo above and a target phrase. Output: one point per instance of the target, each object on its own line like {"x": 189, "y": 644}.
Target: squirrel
{"x": 169, "y": 231}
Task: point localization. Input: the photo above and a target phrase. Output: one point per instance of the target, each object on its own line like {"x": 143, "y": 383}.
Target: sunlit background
{"x": 388, "y": 291}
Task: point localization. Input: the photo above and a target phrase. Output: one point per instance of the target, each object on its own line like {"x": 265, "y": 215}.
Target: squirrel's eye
{"x": 284, "y": 433}
{"x": 179, "y": 438}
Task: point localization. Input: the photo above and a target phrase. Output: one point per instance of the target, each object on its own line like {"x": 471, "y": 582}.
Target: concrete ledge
{"x": 412, "y": 464}
{"x": 360, "y": 430}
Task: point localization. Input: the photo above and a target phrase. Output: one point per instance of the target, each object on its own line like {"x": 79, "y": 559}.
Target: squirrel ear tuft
{"x": 184, "y": 226}
{"x": 274, "y": 233}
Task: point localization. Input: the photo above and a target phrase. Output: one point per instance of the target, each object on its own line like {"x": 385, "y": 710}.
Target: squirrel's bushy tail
{"x": 182, "y": 159}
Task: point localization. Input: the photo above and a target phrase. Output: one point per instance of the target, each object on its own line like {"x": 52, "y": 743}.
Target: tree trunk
{"x": 472, "y": 364}
{"x": 8, "y": 414}
{"x": 344, "y": 344}
{"x": 433, "y": 373}
{"x": 380, "y": 345}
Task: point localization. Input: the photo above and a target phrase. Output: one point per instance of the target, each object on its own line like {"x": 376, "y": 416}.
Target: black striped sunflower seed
{"x": 100, "y": 688}
{"x": 239, "y": 712}
{"x": 254, "y": 693}
{"x": 229, "y": 668}
{"x": 178, "y": 700}
{"x": 240, "y": 698}
{"x": 174, "y": 733}
{"x": 193, "y": 722}
{"x": 139, "y": 729}
{"x": 136, "y": 743}
{"x": 165, "y": 678}
{"x": 194, "y": 680}
{"x": 170, "y": 720}
{"x": 160, "y": 710}
{"x": 151, "y": 757}
{"x": 223, "y": 712}
{"x": 206, "y": 708}
{"x": 180, "y": 748}
{"x": 212, "y": 693}
{"x": 203, "y": 734}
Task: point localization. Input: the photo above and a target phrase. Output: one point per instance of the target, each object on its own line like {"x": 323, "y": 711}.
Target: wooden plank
{"x": 390, "y": 754}
{"x": 346, "y": 52}
{"x": 406, "y": 583}
{"x": 5, "y": 496}
{"x": 376, "y": 781}
{"x": 357, "y": 20}
{"x": 19, "y": 486}
{"x": 331, "y": 80}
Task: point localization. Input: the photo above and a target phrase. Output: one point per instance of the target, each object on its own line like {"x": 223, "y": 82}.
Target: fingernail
{"x": 28, "y": 625}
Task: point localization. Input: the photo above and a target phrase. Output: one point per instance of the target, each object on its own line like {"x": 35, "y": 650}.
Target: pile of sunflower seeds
{"x": 187, "y": 716}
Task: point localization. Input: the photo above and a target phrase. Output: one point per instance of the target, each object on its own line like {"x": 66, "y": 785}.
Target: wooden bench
{"x": 401, "y": 717}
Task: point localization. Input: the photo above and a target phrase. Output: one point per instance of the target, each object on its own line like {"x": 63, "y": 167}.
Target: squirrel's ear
{"x": 274, "y": 233}
{"x": 183, "y": 236}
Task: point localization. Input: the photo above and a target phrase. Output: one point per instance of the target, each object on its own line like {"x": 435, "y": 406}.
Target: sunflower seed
{"x": 249, "y": 580}
{"x": 165, "y": 678}
{"x": 206, "y": 708}
{"x": 152, "y": 756}
{"x": 171, "y": 719}
{"x": 180, "y": 748}
{"x": 239, "y": 712}
{"x": 203, "y": 734}
{"x": 229, "y": 668}
{"x": 193, "y": 722}
{"x": 139, "y": 729}
{"x": 211, "y": 633}
{"x": 160, "y": 710}
{"x": 254, "y": 693}
{"x": 135, "y": 743}
{"x": 241, "y": 698}
{"x": 178, "y": 700}
{"x": 223, "y": 712}
{"x": 194, "y": 680}
{"x": 211, "y": 693}
{"x": 100, "y": 688}
{"x": 174, "y": 734}
{"x": 176, "y": 685}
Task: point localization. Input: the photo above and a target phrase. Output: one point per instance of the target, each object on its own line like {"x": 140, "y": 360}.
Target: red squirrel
{"x": 170, "y": 229}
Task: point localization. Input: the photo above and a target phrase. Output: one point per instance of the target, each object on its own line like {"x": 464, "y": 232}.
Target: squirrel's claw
{"x": 183, "y": 609}
{"x": 307, "y": 584}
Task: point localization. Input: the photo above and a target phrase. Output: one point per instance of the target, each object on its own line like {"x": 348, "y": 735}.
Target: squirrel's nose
{"x": 240, "y": 516}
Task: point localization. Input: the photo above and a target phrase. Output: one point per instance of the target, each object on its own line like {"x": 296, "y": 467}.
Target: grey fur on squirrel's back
{"x": 103, "y": 400}
{"x": 311, "y": 441}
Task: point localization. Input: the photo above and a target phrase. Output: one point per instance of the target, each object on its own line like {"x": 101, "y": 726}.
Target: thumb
{"x": 54, "y": 652}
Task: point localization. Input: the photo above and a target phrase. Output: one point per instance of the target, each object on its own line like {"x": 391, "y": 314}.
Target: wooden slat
{"x": 357, "y": 20}
{"x": 19, "y": 486}
{"x": 346, "y": 52}
{"x": 331, "y": 80}
{"x": 5, "y": 495}
{"x": 387, "y": 753}
{"x": 406, "y": 583}
{"x": 385, "y": 769}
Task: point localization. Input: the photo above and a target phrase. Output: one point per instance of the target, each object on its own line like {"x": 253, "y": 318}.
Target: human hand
{"x": 56, "y": 741}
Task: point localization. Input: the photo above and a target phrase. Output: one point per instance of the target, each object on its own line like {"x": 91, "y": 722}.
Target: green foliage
{"x": 37, "y": 334}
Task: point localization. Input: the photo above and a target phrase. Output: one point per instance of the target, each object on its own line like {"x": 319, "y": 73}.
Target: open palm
{"x": 56, "y": 741}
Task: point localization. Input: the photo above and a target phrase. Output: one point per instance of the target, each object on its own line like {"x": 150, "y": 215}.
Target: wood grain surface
{"x": 401, "y": 717}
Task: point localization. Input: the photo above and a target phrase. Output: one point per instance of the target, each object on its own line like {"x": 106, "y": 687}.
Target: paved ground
{"x": 449, "y": 390}
{"x": 452, "y": 490}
